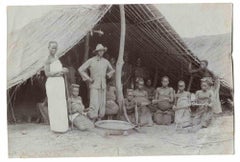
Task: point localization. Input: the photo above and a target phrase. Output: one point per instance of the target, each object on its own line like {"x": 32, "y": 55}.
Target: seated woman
{"x": 111, "y": 106}
{"x": 164, "y": 98}
{"x": 204, "y": 112}
{"x": 77, "y": 114}
{"x": 142, "y": 102}
{"x": 182, "y": 107}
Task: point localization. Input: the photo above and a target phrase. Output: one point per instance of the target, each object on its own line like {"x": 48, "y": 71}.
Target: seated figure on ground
{"x": 131, "y": 108}
{"x": 204, "y": 112}
{"x": 142, "y": 102}
{"x": 77, "y": 113}
{"x": 150, "y": 89}
{"x": 181, "y": 107}
{"x": 164, "y": 98}
{"x": 151, "y": 94}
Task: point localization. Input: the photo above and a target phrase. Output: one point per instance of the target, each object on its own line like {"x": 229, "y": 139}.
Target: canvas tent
{"x": 148, "y": 32}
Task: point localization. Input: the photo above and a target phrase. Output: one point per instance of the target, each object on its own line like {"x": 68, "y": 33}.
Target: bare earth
{"x": 36, "y": 140}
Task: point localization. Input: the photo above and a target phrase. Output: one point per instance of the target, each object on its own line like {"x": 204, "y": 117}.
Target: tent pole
{"x": 120, "y": 63}
{"x": 85, "y": 57}
{"x": 11, "y": 106}
{"x": 190, "y": 83}
{"x": 86, "y": 48}
{"x": 67, "y": 99}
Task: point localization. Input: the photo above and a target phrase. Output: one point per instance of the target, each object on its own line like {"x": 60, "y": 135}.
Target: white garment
{"x": 57, "y": 105}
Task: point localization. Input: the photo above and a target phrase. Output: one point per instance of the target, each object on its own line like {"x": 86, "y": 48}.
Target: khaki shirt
{"x": 99, "y": 68}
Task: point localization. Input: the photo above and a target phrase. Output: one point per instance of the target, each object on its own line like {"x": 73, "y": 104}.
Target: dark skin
{"x": 130, "y": 98}
{"x": 203, "y": 66}
{"x": 149, "y": 83}
{"x": 181, "y": 88}
{"x": 202, "y": 69}
{"x": 52, "y": 52}
{"x": 205, "y": 87}
{"x": 165, "y": 82}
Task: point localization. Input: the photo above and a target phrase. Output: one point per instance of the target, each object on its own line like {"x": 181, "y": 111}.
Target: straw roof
{"x": 27, "y": 48}
{"x": 147, "y": 30}
{"x": 217, "y": 50}
{"x": 156, "y": 41}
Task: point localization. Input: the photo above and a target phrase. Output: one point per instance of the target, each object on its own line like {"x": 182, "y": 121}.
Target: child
{"x": 77, "y": 114}
{"x": 182, "y": 107}
{"x": 204, "y": 101}
{"x": 131, "y": 108}
{"x": 151, "y": 94}
{"x": 141, "y": 100}
{"x": 111, "y": 105}
{"x": 164, "y": 98}
{"x": 150, "y": 89}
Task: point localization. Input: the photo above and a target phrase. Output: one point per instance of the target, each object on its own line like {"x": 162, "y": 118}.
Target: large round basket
{"x": 114, "y": 125}
{"x": 164, "y": 105}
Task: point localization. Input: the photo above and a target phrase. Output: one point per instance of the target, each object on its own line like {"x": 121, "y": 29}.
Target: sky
{"x": 189, "y": 20}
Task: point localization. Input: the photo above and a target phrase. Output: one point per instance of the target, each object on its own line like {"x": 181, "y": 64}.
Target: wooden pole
{"x": 120, "y": 63}
{"x": 67, "y": 99}
{"x": 9, "y": 98}
{"x": 86, "y": 48}
{"x": 190, "y": 83}
{"x": 85, "y": 57}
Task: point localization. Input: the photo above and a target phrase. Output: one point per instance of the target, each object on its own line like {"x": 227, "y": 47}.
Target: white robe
{"x": 57, "y": 105}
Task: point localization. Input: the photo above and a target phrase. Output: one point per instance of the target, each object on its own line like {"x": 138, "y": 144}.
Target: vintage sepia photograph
{"x": 120, "y": 80}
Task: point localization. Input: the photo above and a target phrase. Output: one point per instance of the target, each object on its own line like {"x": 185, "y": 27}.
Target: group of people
{"x": 143, "y": 104}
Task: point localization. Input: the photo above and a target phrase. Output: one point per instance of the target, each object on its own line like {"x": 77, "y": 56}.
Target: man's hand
{"x": 174, "y": 107}
{"x": 205, "y": 104}
{"x": 108, "y": 76}
{"x": 167, "y": 99}
{"x": 91, "y": 80}
{"x": 65, "y": 70}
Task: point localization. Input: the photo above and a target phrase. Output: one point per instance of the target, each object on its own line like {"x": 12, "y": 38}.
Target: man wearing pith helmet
{"x": 99, "y": 68}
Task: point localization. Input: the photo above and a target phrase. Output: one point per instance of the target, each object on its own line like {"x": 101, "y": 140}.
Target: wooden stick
{"x": 120, "y": 63}
{"x": 67, "y": 98}
{"x": 85, "y": 57}
{"x": 190, "y": 83}
{"x": 11, "y": 107}
{"x": 86, "y": 48}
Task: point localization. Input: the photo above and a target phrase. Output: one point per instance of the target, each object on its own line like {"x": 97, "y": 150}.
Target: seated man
{"x": 131, "y": 108}
{"x": 164, "y": 99}
{"x": 77, "y": 114}
{"x": 142, "y": 102}
{"x": 111, "y": 106}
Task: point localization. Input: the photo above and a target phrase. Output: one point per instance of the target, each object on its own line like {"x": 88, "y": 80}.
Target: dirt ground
{"x": 36, "y": 140}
